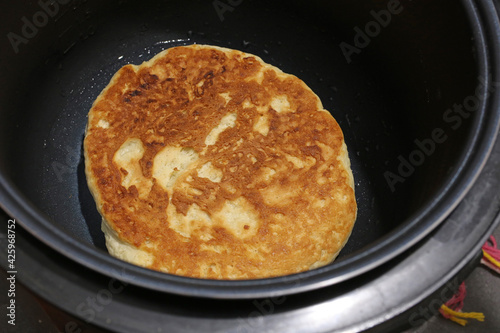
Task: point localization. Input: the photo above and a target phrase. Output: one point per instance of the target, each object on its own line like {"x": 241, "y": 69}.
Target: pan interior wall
{"x": 399, "y": 77}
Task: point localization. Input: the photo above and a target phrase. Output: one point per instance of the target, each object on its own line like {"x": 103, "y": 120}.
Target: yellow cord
{"x": 462, "y": 322}
{"x": 456, "y": 316}
{"x": 490, "y": 258}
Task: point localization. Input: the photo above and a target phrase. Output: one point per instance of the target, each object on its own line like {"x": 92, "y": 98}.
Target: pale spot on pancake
{"x": 261, "y": 108}
{"x": 319, "y": 203}
{"x": 228, "y": 121}
{"x": 212, "y": 270}
{"x": 268, "y": 173}
{"x": 277, "y": 195}
{"x": 247, "y": 104}
{"x": 160, "y": 71}
{"x": 258, "y": 77}
{"x": 230, "y": 188}
{"x": 127, "y": 157}
{"x": 226, "y": 97}
{"x": 262, "y": 125}
{"x": 238, "y": 217}
{"x": 280, "y": 104}
{"x": 299, "y": 163}
{"x": 127, "y": 85}
{"x": 237, "y": 144}
{"x": 326, "y": 151}
{"x": 210, "y": 172}
{"x": 212, "y": 248}
{"x": 185, "y": 225}
{"x": 186, "y": 187}
{"x": 322, "y": 180}
{"x": 195, "y": 191}
{"x": 103, "y": 123}
{"x": 204, "y": 236}
{"x": 170, "y": 163}
{"x": 279, "y": 223}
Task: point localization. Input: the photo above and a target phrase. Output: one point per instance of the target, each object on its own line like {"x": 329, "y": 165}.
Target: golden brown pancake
{"x": 207, "y": 162}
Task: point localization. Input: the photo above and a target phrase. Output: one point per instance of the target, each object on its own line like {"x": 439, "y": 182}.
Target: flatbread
{"x": 207, "y": 162}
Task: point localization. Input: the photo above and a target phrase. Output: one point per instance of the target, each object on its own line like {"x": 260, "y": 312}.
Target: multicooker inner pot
{"x": 413, "y": 85}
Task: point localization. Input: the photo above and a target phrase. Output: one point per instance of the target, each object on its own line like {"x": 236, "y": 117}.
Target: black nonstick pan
{"x": 413, "y": 84}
